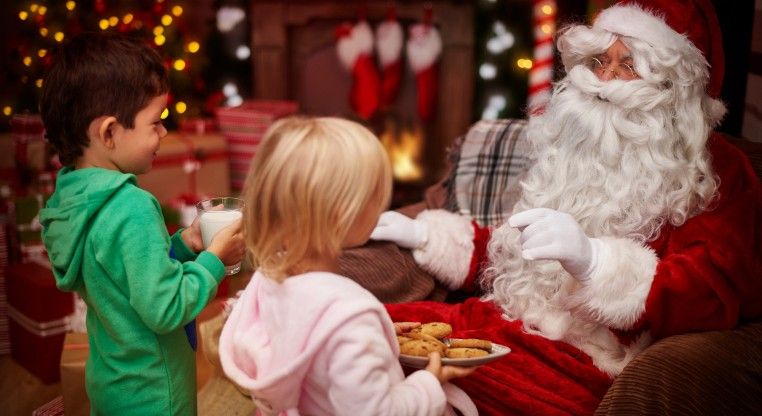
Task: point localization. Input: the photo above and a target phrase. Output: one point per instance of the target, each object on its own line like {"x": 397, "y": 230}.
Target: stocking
{"x": 354, "y": 46}
{"x": 389, "y": 48}
{"x": 424, "y": 47}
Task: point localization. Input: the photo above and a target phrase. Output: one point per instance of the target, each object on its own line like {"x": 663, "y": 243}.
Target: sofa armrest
{"x": 718, "y": 372}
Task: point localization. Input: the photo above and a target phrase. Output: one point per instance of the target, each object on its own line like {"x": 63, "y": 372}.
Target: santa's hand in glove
{"x": 400, "y": 229}
{"x": 548, "y": 234}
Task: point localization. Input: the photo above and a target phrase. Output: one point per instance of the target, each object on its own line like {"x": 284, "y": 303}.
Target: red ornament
{"x": 100, "y": 6}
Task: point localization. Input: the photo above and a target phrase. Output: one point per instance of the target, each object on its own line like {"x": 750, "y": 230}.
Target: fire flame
{"x": 404, "y": 151}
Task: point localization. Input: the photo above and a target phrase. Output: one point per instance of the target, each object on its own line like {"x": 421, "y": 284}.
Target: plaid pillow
{"x": 487, "y": 165}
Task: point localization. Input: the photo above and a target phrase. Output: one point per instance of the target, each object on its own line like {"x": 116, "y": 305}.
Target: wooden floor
{"x": 21, "y": 392}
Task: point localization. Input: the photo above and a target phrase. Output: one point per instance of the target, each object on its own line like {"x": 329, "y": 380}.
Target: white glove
{"x": 400, "y": 229}
{"x": 548, "y": 234}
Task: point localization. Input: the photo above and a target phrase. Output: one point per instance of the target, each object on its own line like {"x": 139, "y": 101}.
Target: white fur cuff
{"x": 449, "y": 246}
{"x": 617, "y": 290}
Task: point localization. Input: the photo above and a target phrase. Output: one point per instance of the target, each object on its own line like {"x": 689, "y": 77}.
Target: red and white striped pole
{"x": 541, "y": 74}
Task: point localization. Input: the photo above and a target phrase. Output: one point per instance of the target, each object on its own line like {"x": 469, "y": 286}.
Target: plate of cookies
{"x": 419, "y": 342}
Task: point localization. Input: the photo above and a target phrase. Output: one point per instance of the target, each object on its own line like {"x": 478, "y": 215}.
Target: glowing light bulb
{"x": 524, "y": 63}
{"x": 42, "y": 52}
{"x": 158, "y": 30}
{"x": 547, "y": 9}
{"x": 38, "y": 83}
{"x": 23, "y": 15}
{"x": 159, "y": 40}
{"x": 180, "y": 107}
{"x": 103, "y": 24}
{"x": 70, "y": 5}
{"x": 179, "y": 64}
{"x": 59, "y": 36}
{"x": 166, "y": 20}
{"x": 177, "y": 10}
{"x": 127, "y": 18}
{"x": 27, "y": 60}
{"x": 7, "y": 110}
{"x": 43, "y": 32}
{"x": 193, "y": 46}
{"x": 487, "y": 71}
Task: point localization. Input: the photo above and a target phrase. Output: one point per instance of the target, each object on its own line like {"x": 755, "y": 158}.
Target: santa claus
{"x": 636, "y": 222}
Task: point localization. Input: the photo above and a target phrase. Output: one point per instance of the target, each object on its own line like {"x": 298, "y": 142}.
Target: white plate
{"x": 498, "y": 351}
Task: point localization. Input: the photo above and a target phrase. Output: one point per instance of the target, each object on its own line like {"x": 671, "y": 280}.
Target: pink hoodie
{"x": 320, "y": 344}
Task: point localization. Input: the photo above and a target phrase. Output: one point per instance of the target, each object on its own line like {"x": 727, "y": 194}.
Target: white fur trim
{"x": 634, "y": 21}
{"x": 424, "y": 46}
{"x": 358, "y": 42}
{"x": 389, "y": 38}
{"x": 617, "y": 290}
{"x": 449, "y": 246}
{"x": 607, "y": 353}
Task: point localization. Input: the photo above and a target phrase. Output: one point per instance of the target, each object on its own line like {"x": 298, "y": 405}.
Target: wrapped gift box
{"x": 34, "y": 152}
{"x": 195, "y": 164}
{"x": 73, "y": 358}
{"x": 25, "y": 145}
{"x": 26, "y": 242}
{"x": 244, "y": 126}
{"x": 38, "y": 314}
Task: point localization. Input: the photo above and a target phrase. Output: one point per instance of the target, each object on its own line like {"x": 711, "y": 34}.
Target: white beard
{"x": 609, "y": 154}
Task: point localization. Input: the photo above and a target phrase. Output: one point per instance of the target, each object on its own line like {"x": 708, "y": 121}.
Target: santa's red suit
{"x": 690, "y": 270}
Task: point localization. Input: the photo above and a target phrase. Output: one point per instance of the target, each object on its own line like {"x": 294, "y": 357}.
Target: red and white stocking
{"x": 389, "y": 38}
{"x": 354, "y": 46}
{"x": 424, "y": 46}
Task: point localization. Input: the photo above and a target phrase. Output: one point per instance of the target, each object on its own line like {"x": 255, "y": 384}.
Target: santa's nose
{"x": 607, "y": 74}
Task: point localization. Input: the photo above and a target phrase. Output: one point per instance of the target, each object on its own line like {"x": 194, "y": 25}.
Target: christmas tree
{"x": 41, "y": 26}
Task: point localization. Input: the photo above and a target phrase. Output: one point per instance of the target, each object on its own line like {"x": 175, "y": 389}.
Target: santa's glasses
{"x": 602, "y": 65}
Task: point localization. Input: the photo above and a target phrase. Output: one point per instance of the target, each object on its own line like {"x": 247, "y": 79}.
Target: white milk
{"x": 211, "y": 222}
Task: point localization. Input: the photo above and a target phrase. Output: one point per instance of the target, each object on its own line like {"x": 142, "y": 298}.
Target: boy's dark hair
{"x": 94, "y": 75}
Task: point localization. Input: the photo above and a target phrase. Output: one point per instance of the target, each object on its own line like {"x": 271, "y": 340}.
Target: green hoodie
{"x": 107, "y": 241}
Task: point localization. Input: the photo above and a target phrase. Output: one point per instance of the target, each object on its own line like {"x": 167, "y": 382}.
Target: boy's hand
{"x": 228, "y": 244}
{"x": 192, "y": 236}
{"x": 445, "y": 373}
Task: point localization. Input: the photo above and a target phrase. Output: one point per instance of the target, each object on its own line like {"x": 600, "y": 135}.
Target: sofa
{"x": 712, "y": 373}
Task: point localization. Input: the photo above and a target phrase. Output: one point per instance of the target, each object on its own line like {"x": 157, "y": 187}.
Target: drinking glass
{"x": 216, "y": 214}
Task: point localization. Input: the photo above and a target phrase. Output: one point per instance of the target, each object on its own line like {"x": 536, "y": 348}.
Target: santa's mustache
{"x": 633, "y": 94}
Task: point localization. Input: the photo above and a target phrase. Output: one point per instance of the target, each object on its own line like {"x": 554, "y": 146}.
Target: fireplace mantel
{"x": 276, "y": 66}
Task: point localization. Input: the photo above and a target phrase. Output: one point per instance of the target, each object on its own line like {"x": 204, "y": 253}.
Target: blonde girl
{"x": 302, "y": 338}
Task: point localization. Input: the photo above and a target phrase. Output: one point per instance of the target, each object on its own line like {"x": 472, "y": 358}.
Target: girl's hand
{"x": 228, "y": 244}
{"x": 403, "y": 327}
{"x": 445, "y": 373}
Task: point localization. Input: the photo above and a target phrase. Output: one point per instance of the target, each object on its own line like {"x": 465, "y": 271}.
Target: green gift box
{"x": 27, "y": 210}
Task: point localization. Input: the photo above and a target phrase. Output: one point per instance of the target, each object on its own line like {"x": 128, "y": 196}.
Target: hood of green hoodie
{"x": 79, "y": 196}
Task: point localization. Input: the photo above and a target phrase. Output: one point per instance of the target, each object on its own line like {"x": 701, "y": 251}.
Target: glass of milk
{"x": 216, "y": 214}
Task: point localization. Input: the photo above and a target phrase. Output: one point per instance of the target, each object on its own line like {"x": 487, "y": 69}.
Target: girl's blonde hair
{"x": 308, "y": 182}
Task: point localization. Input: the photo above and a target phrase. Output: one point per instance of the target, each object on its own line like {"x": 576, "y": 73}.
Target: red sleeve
{"x": 710, "y": 271}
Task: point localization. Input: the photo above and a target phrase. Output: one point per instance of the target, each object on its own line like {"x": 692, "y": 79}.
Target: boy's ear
{"x": 105, "y": 130}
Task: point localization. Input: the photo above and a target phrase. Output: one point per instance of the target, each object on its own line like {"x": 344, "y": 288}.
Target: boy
{"x": 106, "y": 238}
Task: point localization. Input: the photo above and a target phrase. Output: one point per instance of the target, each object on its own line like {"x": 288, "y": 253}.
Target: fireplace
{"x": 294, "y": 58}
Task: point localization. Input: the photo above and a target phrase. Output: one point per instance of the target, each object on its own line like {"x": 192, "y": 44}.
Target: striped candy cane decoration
{"x": 541, "y": 74}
